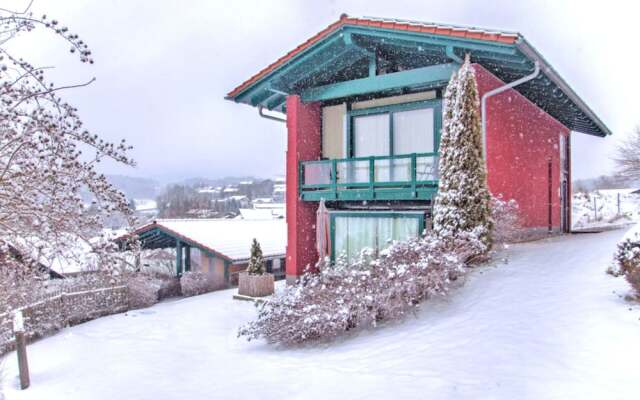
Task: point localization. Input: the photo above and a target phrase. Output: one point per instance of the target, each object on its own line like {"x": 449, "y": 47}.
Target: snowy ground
{"x": 605, "y": 207}
{"x": 550, "y": 324}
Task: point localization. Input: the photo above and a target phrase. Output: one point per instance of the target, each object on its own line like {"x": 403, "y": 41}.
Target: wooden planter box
{"x": 255, "y": 285}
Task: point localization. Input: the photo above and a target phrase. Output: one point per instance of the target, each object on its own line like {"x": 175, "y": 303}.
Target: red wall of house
{"x": 303, "y": 143}
{"x": 521, "y": 139}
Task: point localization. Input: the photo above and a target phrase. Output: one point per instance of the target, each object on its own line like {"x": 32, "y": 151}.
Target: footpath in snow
{"x": 549, "y": 324}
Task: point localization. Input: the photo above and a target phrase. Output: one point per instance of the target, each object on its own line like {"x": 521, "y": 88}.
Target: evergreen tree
{"x": 463, "y": 201}
{"x": 256, "y": 262}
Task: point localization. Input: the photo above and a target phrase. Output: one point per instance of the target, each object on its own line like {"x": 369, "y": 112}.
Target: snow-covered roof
{"x": 229, "y": 238}
{"x": 252, "y": 213}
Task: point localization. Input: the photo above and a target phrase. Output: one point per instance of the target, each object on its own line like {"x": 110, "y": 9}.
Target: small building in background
{"x": 219, "y": 247}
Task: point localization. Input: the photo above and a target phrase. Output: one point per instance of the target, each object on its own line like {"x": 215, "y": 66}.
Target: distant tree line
{"x": 185, "y": 201}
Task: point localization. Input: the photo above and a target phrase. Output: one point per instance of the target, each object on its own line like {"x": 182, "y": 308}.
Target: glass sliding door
{"x": 413, "y": 132}
{"x": 353, "y": 232}
{"x": 371, "y": 138}
{"x": 394, "y": 131}
{"x": 352, "y": 235}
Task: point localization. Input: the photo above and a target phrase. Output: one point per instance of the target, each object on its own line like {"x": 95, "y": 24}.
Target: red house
{"x": 363, "y": 101}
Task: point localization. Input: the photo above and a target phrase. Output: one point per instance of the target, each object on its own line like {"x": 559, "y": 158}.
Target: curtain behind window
{"x": 371, "y": 138}
{"x": 353, "y": 234}
{"x": 412, "y": 133}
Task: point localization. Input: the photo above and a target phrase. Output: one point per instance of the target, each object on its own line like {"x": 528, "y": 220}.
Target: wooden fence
{"x": 65, "y": 309}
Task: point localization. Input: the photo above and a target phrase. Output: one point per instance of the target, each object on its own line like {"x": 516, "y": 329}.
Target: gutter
{"x": 499, "y": 90}
{"x": 531, "y": 53}
{"x": 271, "y": 117}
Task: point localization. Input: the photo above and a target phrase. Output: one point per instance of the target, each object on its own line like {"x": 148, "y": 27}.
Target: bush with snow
{"x": 507, "y": 219}
{"x": 143, "y": 290}
{"x": 195, "y": 282}
{"x": 627, "y": 261}
{"x": 256, "y": 264}
{"x": 344, "y": 297}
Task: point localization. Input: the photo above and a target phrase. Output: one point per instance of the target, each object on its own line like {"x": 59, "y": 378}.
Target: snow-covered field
{"x": 606, "y": 207}
{"x": 549, "y": 324}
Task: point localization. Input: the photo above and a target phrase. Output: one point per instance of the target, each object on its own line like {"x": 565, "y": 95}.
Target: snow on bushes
{"x": 344, "y": 297}
{"x": 143, "y": 290}
{"x": 507, "y": 219}
{"x": 195, "y": 282}
{"x": 627, "y": 260}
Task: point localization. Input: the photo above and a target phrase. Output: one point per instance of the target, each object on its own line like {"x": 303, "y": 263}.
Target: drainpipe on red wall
{"x": 498, "y": 90}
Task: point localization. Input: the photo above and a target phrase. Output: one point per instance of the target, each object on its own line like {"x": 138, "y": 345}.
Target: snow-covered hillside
{"x": 604, "y": 208}
{"x": 549, "y": 324}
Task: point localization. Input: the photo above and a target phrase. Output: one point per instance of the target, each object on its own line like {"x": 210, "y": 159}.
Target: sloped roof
{"x": 228, "y": 238}
{"x": 332, "y": 55}
{"x": 398, "y": 24}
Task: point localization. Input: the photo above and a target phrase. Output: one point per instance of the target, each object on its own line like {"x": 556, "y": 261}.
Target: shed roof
{"x": 341, "y": 46}
{"x": 227, "y": 238}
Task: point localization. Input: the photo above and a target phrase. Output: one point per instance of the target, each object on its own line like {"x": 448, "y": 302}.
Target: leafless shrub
{"x": 48, "y": 161}
{"x": 627, "y": 158}
{"x": 195, "y": 282}
{"x": 507, "y": 219}
{"x": 345, "y": 297}
{"x": 143, "y": 290}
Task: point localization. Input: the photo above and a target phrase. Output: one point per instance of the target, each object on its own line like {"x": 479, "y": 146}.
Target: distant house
{"x": 363, "y": 105}
{"x": 219, "y": 247}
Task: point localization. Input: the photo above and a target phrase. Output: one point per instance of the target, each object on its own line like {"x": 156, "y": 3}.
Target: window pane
{"x": 362, "y": 234}
{"x": 353, "y": 234}
{"x": 405, "y": 228}
{"x": 341, "y": 234}
{"x": 413, "y": 131}
{"x": 371, "y": 135}
{"x": 385, "y": 232}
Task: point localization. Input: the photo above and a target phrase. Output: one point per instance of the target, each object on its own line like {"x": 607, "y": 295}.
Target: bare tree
{"x": 48, "y": 159}
{"x": 628, "y": 156}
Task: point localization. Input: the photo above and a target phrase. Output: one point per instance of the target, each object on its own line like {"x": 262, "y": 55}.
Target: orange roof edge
{"x": 400, "y": 25}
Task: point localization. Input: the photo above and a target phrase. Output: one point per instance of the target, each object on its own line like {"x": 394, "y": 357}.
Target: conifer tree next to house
{"x": 463, "y": 201}
{"x": 256, "y": 262}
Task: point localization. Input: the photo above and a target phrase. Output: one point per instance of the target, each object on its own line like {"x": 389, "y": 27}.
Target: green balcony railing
{"x": 400, "y": 177}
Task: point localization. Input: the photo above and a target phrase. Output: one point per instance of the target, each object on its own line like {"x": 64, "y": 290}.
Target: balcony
{"x": 401, "y": 177}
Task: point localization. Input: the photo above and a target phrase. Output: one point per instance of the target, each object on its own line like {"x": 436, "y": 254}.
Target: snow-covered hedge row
{"x": 344, "y": 297}
{"x": 51, "y": 305}
{"x": 52, "y": 314}
{"x": 195, "y": 282}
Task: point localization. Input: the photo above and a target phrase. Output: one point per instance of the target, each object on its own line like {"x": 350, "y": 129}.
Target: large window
{"x": 392, "y": 131}
{"x": 354, "y": 231}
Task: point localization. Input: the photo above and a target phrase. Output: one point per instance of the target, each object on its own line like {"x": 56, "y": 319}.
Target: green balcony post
{"x": 372, "y": 175}
{"x": 178, "y": 258}
{"x": 300, "y": 177}
{"x": 334, "y": 177}
{"x": 414, "y": 173}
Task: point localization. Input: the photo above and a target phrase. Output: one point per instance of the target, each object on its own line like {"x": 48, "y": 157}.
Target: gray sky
{"x": 163, "y": 68}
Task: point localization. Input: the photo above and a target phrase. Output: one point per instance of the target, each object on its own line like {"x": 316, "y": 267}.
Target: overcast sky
{"x": 164, "y": 66}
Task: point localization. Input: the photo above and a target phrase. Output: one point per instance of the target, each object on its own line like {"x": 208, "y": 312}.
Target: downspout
{"x": 271, "y": 117}
{"x": 498, "y": 90}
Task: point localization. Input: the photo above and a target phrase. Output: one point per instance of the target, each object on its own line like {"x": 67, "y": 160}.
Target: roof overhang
{"x": 356, "y": 57}
{"x": 154, "y": 235}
